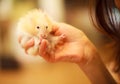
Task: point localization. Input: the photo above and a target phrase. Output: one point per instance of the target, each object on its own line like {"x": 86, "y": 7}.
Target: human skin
{"x": 77, "y": 48}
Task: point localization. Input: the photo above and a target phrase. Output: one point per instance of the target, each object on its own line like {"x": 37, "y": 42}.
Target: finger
{"x": 29, "y": 44}
{"x": 55, "y": 30}
{"x": 43, "y": 50}
{"x": 43, "y": 47}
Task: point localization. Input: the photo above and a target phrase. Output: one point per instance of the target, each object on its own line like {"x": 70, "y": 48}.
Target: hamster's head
{"x": 36, "y": 23}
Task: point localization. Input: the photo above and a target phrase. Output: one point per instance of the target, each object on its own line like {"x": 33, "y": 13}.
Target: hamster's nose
{"x": 43, "y": 35}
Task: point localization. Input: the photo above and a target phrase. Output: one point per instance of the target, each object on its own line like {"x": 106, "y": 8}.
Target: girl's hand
{"x": 76, "y": 47}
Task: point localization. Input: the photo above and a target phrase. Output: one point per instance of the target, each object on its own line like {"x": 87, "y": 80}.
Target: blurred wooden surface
{"x": 45, "y": 73}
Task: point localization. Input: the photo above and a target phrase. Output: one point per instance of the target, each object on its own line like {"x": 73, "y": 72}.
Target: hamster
{"x": 36, "y": 24}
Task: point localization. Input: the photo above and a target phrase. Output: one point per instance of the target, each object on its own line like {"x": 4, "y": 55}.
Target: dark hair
{"x": 107, "y": 18}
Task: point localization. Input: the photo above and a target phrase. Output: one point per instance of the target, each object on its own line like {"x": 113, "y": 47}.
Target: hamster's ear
{"x": 48, "y": 18}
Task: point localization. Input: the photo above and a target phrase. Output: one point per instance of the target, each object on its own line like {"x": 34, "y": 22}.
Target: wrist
{"x": 96, "y": 71}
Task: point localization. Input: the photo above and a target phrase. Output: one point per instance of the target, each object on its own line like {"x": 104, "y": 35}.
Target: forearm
{"x": 96, "y": 71}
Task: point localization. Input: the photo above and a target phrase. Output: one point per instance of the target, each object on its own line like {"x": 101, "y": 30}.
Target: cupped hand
{"x": 76, "y": 47}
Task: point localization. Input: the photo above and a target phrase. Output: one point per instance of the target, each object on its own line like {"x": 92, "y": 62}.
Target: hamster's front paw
{"x": 61, "y": 39}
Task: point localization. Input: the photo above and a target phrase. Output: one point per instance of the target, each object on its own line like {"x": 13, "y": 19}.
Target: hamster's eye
{"x": 38, "y": 27}
{"x": 46, "y": 27}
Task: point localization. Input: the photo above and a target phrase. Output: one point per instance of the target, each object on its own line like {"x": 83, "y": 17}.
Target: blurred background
{"x": 18, "y": 68}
